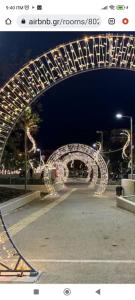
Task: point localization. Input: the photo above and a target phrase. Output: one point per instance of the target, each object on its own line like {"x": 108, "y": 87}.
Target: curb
{"x": 18, "y": 202}
{"x": 125, "y": 204}
{"x": 23, "y": 279}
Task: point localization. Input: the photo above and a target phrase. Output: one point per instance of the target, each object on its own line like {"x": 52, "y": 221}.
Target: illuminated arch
{"x": 86, "y": 159}
{"x": 64, "y": 61}
{"x": 80, "y": 148}
{"x": 36, "y": 77}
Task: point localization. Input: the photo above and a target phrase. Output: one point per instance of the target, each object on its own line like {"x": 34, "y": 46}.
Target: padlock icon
{"x": 23, "y": 21}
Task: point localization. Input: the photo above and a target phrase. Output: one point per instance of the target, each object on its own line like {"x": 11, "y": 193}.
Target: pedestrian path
{"x": 78, "y": 238}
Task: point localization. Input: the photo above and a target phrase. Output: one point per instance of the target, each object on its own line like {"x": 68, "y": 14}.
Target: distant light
{"x": 86, "y": 39}
{"x": 38, "y": 149}
{"x": 119, "y": 116}
{"x": 94, "y": 145}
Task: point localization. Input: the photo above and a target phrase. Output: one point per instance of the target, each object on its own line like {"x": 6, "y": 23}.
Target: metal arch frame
{"x": 69, "y": 157}
{"x": 81, "y": 148}
{"x": 86, "y": 54}
{"x": 21, "y": 266}
{"x": 78, "y": 156}
{"x": 67, "y": 60}
{"x": 87, "y": 160}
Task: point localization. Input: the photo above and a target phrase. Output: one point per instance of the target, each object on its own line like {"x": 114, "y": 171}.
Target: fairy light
{"x": 63, "y": 172}
{"x": 127, "y": 143}
{"x": 34, "y": 146}
{"x": 50, "y": 187}
{"x": 86, "y": 159}
{"x": 99, "y": 162}
{"x": 88, "y": 53}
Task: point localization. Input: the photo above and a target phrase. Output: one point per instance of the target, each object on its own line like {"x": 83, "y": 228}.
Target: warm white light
{"x": 30, "y": 137}
{"x": 126, "y": 145}
{"x": 86, "y": 39}
{"x": 35, "y": 77}
{"x": 98, "y": 161}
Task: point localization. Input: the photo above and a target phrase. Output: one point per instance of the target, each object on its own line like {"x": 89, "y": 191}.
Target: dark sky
{"x": 74, "y": 109}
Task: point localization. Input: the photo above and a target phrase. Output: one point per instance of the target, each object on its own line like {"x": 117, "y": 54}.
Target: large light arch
{"x": 83, "y": 157}
{"x": 37, "y": 76}
{"x": 66, "y": 60}
{"x": 85, "y": 149}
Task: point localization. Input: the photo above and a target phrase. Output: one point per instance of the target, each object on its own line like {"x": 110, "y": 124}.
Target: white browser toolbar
{"x": 52, "y": 15}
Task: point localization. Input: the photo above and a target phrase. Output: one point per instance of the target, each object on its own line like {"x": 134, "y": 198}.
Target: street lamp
{"x": 102, "y": 139}
{"x": 39, "y": 150}
{"x": 120, "y": 116}
{"x": 94, "y": 145}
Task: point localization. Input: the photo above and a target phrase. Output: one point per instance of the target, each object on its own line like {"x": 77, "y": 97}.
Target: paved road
{"x": 77, "y": 238}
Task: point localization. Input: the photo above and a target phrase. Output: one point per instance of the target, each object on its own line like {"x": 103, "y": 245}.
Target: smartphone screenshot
{"x": 67, "y": 156}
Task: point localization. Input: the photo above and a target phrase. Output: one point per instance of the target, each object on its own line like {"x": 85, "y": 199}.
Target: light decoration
{"x": 61, "y": 171}
{"x": 72, "y": 163}
{"x": 86, "y": 159}
{"x": 80, "y": 148}
{"x": 126, "y": 145}
{"x": 98, "y": 150}
{"x": 40, "y": 168}
{"x": 50, "y": 188}
{"x": 38, "y": 75}
{"x": 32, "y": 140}
{"x": 99, "y": 146}
{"x": 80, "y": 157}
{"x": 64, "y": 61}
{"x": 12, "y": 263}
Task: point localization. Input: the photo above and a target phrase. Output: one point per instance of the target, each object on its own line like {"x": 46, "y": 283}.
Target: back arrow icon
{"x": 98, "y": 292}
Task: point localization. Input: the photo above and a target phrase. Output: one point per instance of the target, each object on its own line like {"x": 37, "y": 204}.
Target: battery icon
{"x": 39, "y": 7}
{"x": 120, "y": 7}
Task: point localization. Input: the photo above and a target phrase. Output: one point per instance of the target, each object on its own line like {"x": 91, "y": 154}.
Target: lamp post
{"x": 102, "y": 139}
{"x": 39, "y": 150}
{"x": 120, "y": 116}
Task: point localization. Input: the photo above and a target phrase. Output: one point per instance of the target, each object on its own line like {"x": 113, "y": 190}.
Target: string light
{"x": 34, "y": 146}
{"x": 126, "y": 145}
{"x": 98, "y": 161}
{"x": 87, "y": 160}
{"x": 88, "y": 53}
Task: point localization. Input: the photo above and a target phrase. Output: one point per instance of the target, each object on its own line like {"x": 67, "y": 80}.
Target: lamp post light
{"x": 102, "y": 139}
{"x": 94, "y": 145}
{"x": 120, "y": 116}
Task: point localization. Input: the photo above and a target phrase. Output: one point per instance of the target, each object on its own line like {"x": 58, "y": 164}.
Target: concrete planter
{"x": 32, "y": 187}
{"x": 37, "y": 187}
{"x": 125, "y": 203}
{"x": 20, "y": 201}
{"x": 128, "y": 187}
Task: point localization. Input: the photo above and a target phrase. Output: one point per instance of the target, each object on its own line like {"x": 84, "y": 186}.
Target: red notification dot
{"x": 125, "y": 21}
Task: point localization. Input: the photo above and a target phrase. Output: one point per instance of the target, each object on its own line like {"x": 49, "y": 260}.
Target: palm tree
{"x": 30, "y": 123}
{"x": 25, "y": 127}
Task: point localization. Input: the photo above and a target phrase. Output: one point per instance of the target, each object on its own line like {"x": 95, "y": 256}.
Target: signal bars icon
{"x": 113, "y": 7}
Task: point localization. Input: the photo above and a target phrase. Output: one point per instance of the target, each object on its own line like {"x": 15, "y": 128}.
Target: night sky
{"x": 74, "y": 109}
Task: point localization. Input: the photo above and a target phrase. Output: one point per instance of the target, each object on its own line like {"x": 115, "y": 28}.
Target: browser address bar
{"x": 51, "y": 21}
